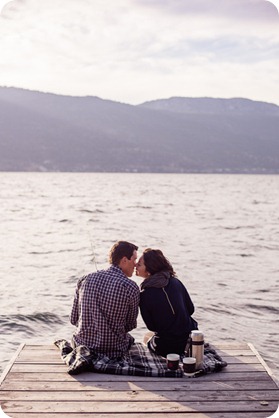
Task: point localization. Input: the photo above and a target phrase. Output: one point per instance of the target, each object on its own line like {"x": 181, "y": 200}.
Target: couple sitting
{"x": 106, "y": 305}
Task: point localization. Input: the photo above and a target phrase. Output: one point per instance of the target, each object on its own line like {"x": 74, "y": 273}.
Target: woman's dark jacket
{"x": 166, "y": 309}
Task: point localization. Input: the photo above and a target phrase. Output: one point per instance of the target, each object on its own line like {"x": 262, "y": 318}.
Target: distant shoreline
{"x": 264, "y": 172}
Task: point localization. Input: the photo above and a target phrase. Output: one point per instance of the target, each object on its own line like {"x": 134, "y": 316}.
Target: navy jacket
{"x": 167, "y": 312}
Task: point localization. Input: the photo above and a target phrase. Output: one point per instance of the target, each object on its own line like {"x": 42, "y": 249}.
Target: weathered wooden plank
{"x": 142, "y": 396}
{"x": 114, "y": 415}
{"x": 11, "y": 407}
{"x": 54, "y": 353}
{"x": 10, "y": 364}
{"x": 54, "y": 358}
{"x": 240, "y": 359}
{"x": 116, "y": 385}
{"x": 266, "y": 367}
{"x": 230, "y": 345}
{"x": 234, "y": 352}
{"x": 93, "y": 377}
{"x": 190, "y": 414}
{"x": 53, "y": 368}
{"x": 37, "y": 385}
{"x": 51, "y": 350}
{"x": 234, "y": 345}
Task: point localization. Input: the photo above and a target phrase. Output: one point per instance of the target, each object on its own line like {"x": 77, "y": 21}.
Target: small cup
{"x": 173, "y": 361}
{"x": 189, "y": 365}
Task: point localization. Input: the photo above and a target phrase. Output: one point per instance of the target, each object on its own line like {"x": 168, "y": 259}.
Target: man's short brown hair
{"x": 121, "y": 249}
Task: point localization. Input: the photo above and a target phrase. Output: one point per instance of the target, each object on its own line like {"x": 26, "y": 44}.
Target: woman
{"x": 165, "y": 304}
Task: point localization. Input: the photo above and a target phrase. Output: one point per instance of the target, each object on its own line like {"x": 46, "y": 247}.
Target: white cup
{"x": 189, "y": 365}
{"x": 173, "y": 361}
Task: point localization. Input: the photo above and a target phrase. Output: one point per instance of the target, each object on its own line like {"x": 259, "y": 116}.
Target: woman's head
{"x": 151, "y": 262}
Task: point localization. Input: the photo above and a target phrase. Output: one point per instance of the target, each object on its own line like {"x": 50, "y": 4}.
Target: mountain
{"x": 212, "y": 106}
{"x": 48, "y": 132}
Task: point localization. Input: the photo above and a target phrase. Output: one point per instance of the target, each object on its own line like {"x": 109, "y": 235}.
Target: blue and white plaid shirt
{"x": 105, "y": 309}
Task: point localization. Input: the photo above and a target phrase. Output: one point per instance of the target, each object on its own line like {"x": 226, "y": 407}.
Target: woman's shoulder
{"x": 176, "y": 284}
{"x": 150, "y": 293}
{"x": 148, "y": 290}
{"x": 175, "y": 281}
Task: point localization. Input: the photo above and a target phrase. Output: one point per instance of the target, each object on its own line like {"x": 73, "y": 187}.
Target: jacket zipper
{"x": 168, "y": 300}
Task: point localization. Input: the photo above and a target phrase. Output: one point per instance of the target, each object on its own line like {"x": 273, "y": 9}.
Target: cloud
{"x": 134, "y": 50}
{"x": 251, "y": 10}
{"x": 275, "y": 3}
{"x": 3, "y": 4}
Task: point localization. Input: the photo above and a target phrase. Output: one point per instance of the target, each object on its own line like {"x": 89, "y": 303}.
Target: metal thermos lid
{"x": 197, "y": 335}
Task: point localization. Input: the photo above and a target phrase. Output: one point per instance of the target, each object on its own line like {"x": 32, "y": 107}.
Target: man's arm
{"x": 133, "y": 310}
{"x": 75, "y": 308}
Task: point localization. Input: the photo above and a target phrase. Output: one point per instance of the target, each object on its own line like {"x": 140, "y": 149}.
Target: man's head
{"x": 124, "y": 255}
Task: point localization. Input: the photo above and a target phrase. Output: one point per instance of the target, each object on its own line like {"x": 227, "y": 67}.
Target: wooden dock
{"x": 36, "y": 385}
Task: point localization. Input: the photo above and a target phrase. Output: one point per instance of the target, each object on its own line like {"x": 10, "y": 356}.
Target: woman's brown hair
{"x": 155, "y": 262}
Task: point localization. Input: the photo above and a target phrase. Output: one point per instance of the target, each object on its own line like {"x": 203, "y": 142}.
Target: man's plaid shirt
{"x": 105, "y": 309}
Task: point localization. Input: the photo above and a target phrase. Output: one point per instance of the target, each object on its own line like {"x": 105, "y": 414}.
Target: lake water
{"x": 220, "y": 232}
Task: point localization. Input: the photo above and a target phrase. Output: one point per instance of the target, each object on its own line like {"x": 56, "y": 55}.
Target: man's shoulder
{"x": 89, "y": 277}
{"x": 132, "y": 285}
{"x": 113, "y": 273}
{"x": 95, "y": 276}
{"x": 121, "y": 281}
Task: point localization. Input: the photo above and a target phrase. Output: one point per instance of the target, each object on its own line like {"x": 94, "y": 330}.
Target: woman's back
{"x": 167, "y": 310}
{"x": 165, "y": 304}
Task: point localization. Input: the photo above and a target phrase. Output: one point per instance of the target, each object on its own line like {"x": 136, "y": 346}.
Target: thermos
{"x": 197, "y": 347}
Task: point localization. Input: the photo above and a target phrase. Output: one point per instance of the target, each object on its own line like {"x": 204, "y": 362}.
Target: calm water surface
{"x": 221, "y": 233}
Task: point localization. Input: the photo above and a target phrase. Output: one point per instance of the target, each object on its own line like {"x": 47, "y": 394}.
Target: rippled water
{"x": 221, "y": 233}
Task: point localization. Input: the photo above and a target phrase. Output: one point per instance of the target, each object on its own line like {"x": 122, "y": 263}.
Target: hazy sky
{"x": 137, "y": 50}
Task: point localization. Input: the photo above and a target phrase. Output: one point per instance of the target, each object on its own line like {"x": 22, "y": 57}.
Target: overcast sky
{"x": 137, "y": 50}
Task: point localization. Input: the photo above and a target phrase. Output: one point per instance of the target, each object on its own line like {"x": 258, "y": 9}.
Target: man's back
{"x": 105, "y": 309}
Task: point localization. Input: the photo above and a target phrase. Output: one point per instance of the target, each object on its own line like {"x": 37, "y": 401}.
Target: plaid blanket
{"x": 139, "y": 361}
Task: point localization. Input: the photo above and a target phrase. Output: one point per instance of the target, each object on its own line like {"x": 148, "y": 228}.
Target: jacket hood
{"x": 157, "y": 280}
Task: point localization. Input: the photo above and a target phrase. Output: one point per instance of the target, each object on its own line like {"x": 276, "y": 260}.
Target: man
{"x": 106, "y": 304}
